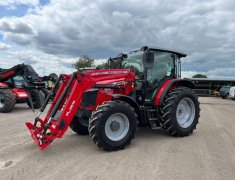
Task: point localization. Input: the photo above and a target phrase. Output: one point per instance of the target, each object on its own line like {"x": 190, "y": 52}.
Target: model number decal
{"x": 70, "y": 108}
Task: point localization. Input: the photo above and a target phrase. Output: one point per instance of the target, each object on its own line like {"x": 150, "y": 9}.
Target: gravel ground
{"x": 207, "y": 154}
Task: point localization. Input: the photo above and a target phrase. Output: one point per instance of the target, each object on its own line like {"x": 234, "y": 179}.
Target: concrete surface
{"x": 207, "y": 154}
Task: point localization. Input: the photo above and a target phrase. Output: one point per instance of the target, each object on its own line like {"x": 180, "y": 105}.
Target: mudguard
{"x": 132, "y": 103}
{"x": 127, "y": 99}
{"x": 170, "y": 84}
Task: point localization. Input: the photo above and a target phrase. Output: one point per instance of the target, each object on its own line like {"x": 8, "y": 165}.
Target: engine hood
{"x": 109, "y": 76}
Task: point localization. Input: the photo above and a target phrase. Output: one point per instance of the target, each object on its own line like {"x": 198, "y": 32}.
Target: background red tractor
{"x": 142, "y": 88}
{"x": 21, "y": 84}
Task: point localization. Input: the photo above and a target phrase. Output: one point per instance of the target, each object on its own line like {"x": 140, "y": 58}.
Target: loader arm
{"x": 6, "y": 74}
{"x": 62, "y": 110}
{"x": 69, "y": 99}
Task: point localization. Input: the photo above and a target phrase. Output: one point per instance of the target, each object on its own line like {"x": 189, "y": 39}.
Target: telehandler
{"x": 21, "y": 84}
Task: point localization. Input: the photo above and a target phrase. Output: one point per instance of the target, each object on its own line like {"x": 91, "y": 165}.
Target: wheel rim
{"x": 185, "y": 112}
{"x": 2, "y": 100}
{"x": 116, "y": 127}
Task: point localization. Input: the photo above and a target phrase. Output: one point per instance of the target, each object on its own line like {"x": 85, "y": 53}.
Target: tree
{"x": 104, "y": 65}
{"x": 84, "y": 61}
{"x": 54, "y": 76}
{"x": 199, "y": 76}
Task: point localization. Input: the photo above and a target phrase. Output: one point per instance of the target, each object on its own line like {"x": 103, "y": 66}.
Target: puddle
{"x": 7, "y": 164}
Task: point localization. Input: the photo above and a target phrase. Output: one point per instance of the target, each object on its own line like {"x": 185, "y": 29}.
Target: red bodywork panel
{"x": 7, "y": 74}
{"x": 160, "y": 92}
{"x": 70, "y": 104}
{"x": 3, "y": 84}
{"x": 20, "y": 93}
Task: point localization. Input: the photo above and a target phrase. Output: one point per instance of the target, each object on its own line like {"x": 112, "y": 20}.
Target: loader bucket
{"x": 39, "y": 138}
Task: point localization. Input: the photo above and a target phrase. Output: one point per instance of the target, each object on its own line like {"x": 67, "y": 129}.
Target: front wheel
{"x": 7, "y": 100}
{"x": 180, "y": 112}
{"x": 112, "y": 125}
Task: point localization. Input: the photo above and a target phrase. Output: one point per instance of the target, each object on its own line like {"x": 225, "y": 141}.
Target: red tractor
{"x": 142, "y": 88}
{"x": 21, "y": 84}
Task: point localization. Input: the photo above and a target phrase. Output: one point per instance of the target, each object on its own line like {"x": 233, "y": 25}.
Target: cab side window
{"x": 18, "y": 81}
{"x": 163, "y": 67}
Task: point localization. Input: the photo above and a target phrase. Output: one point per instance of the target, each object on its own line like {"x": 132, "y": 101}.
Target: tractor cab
{"x": 153, "y": 66}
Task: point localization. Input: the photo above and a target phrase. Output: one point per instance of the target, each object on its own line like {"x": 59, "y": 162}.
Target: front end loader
{"x": 141, "y": 88}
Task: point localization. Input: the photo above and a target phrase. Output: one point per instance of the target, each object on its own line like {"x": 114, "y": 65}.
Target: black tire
{"x": 168, "y": 111}
{"x": 226, "y": 96}
{"x": 99, "y": 118}
{"x": 7, "y": 100}
{"x": 37, "y": 98}
{"x": 45, "y": 92}
{"x": 79, "y": 126}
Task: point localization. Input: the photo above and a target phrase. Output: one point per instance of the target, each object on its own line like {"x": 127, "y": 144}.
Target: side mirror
{"x": 148, "y": 59}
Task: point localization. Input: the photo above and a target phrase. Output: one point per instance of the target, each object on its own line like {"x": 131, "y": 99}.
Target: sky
{"x": 52, "y": 34}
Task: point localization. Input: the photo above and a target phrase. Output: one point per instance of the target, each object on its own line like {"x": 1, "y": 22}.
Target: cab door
{"x": 163, "y": 68}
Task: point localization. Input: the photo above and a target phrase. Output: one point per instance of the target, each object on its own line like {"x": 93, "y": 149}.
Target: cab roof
{"x": 180, "y": 54}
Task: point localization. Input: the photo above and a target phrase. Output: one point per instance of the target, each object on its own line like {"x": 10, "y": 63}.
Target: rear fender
{"x": 169, "y": 85}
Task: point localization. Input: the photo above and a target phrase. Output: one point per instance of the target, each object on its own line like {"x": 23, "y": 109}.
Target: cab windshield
{"x": 134, "y": 62}
{"x": 163, "y": 65}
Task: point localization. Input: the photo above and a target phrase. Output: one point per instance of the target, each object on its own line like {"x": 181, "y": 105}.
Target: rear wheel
{"x": 7, "y": 101}
{"x": 112, "y": 125}
{"x": 180, "y": 112}
{"x": 80, "y": 125}
{"x": 45, "y": 92}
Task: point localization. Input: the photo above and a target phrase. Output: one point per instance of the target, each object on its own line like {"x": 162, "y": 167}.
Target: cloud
{"x": 224, "y": 72}
{"x": 13, "y": 3}
{"x": 18, "y": 38}
{"x": 43, "y": 63}
{"x": 4, "y": 46}
{"x": 205, "y": 30}
{"x": 190, "y": 74}
{"x": 17, "y": 30}
{"x": 17, "y": 26}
